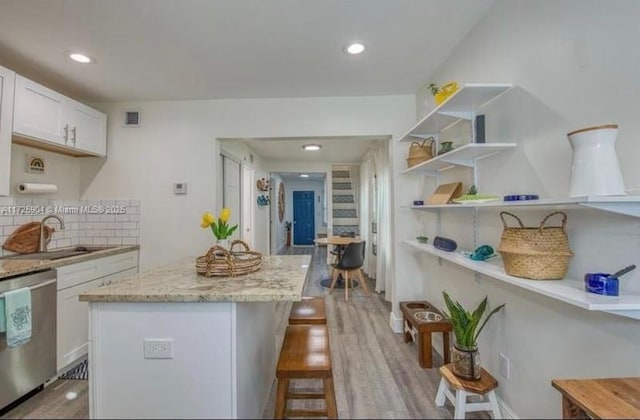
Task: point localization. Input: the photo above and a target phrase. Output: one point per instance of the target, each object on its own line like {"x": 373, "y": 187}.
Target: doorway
{"x": 304, "y": 229}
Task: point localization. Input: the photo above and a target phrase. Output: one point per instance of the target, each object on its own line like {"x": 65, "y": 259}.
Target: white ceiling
{"x": 336, "y": 150}
{"x": 295, "y": 176}
{"x": 206, "y": 49}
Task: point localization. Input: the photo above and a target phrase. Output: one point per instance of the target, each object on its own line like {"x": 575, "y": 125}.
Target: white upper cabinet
{"x": 38, "y": 112}
{"x": 87, "y": 128}
{"x": 45, "y": 118}
{"x": 6, "y": 116}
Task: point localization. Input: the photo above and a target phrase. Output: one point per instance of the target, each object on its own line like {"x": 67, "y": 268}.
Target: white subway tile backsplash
{"x": 8, "y": 230}
{"x": 21, "y": 220}
{"x": 81, "y": 228}
{"x": 62, "y": 243}
{"x": 114, "y": 241}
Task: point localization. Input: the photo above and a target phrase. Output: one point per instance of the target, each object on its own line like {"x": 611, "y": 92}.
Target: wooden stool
{"x": 310, "y": 310}
{"x": 419, "y": 330}
{"x": 305, "y": 355}
{"x": 486, "y": 385}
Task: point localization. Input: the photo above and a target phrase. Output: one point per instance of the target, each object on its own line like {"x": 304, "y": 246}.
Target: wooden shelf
{"x": 628, "y": 205}
{"x": 466, "y": 156}
{"x": 461, "y": 105}
{"x": 570, "y": 291}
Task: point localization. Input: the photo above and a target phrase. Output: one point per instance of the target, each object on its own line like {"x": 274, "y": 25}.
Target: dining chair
{"x": 350, "y": 265}
{"x": 338, "y": 249}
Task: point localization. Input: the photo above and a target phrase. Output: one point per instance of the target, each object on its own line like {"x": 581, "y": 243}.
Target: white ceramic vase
{"x": 594, "y": 166}
{"x": 224, "y": 243}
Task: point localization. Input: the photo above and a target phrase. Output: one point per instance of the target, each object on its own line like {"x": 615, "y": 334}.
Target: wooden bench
{"x": 305, "y": 355}
{"x": 485, "y": 386}
{"x": 310, "y": 310}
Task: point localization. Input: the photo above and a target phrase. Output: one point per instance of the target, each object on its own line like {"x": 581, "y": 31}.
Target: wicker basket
{"x": 537, "y": 253}
{"x": 419, "y": 152}
{"x": 220, "y": 262}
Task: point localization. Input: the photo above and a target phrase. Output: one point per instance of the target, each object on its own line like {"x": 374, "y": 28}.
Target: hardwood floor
{"x": 376, "y": 375}
{"x": 52, "y": 402}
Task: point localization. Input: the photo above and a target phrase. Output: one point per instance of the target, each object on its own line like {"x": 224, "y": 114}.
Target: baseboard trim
{"x": 395, "y": 322}
{"x": 507, "y": 412}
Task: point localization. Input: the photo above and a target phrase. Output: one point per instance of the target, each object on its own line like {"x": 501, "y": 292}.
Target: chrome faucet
{"x": 43, "y": 242}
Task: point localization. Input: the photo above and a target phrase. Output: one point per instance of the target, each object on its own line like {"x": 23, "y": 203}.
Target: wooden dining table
{"x": 603, "y": 398}
{"x": 340, "y": 242}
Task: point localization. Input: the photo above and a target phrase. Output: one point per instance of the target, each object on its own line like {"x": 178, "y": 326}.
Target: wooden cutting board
{"x": 26, "y": 239}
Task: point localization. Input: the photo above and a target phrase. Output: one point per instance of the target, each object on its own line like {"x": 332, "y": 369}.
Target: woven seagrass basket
{"x": 419, "y": 152}
{"x": 222, "y": 262}
{"x": 537, "y": 253}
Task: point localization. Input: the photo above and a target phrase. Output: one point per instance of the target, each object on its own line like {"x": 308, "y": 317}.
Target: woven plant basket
{"x": 537, "y": 253}
{"x": 420, "y": 152}
{"x": 221, "y": 262}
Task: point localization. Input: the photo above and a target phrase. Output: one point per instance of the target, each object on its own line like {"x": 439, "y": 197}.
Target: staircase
{"x": 345, "y": 209}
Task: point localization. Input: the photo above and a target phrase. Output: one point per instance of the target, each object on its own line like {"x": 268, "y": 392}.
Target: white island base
{"x": 223, "y": 362}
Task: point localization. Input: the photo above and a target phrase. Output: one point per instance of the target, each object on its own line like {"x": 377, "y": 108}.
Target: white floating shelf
{"x": 461, "y": 105}
{"x": 570, "y": 291}
{"x": 466, "y": 155}
{"x": 628, "y": 205}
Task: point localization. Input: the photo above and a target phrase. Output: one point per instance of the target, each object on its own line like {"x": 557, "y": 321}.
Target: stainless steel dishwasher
{"x": 26, "y": 367}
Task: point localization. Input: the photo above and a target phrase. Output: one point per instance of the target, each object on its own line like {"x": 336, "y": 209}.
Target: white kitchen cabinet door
{"x": 6, "y": 117}
{"x": 38, "y": 112}
{"x": 73, "y": 317}
{"x": 87, "y": 128}
{"x": 73, "y": 323}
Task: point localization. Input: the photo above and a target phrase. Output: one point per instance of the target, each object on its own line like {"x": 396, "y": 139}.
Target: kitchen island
{"x": 168, "y": 343}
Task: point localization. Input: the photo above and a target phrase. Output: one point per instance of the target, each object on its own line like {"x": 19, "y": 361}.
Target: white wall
{"x": 177, "y": 142}
{"x": 574, "y": 64}
{"x": 262, "y": 219}
{"x": 61, "y": 170}
{"x": 278, "y": 230}
{"x": 318, "y": 193}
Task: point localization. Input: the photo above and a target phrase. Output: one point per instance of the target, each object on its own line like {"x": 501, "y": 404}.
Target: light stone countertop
{"x": 10, "y": 268}
{"x": 281, "y": 278}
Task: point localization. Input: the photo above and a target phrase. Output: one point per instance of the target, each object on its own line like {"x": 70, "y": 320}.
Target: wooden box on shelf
{"x": 445, "y": 193}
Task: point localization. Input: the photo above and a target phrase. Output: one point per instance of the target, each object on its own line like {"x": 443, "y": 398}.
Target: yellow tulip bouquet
{"x": 221, "y": 230}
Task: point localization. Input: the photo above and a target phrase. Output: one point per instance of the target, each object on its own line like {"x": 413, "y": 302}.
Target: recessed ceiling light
{"x": 80, "y": 58}
{"x": 304, "y": 175}
{"x": 311, "y": 147}
{"x": 355, "y": 48}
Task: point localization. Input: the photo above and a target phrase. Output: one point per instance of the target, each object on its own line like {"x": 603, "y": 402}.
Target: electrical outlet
{"x": 505, "y": 368}
{"x": 158, "y": 348}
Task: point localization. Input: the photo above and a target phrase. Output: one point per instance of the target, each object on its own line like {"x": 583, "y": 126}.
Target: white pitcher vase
{"x": 594, "y": 166}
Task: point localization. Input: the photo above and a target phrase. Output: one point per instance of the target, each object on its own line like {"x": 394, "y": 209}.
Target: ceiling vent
{"x": 132, "y": 118}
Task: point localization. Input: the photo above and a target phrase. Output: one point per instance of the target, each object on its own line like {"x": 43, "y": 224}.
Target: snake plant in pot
{"x": 466, "y": 328}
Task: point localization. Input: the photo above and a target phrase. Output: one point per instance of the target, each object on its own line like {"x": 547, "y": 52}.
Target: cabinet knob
{"x": 66, "y": 133}
{"x": 73, "y": 130}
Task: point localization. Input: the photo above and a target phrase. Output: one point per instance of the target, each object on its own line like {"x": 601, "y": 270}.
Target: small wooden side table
{"x": 419, "y": 330}
{"x": 605, "y": 398}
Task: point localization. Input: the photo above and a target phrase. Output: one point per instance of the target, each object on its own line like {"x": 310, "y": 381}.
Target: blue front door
{"x": 303, "y": 218}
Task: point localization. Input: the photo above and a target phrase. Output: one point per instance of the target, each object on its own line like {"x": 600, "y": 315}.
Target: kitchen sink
{"x": 56, "y": 254}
